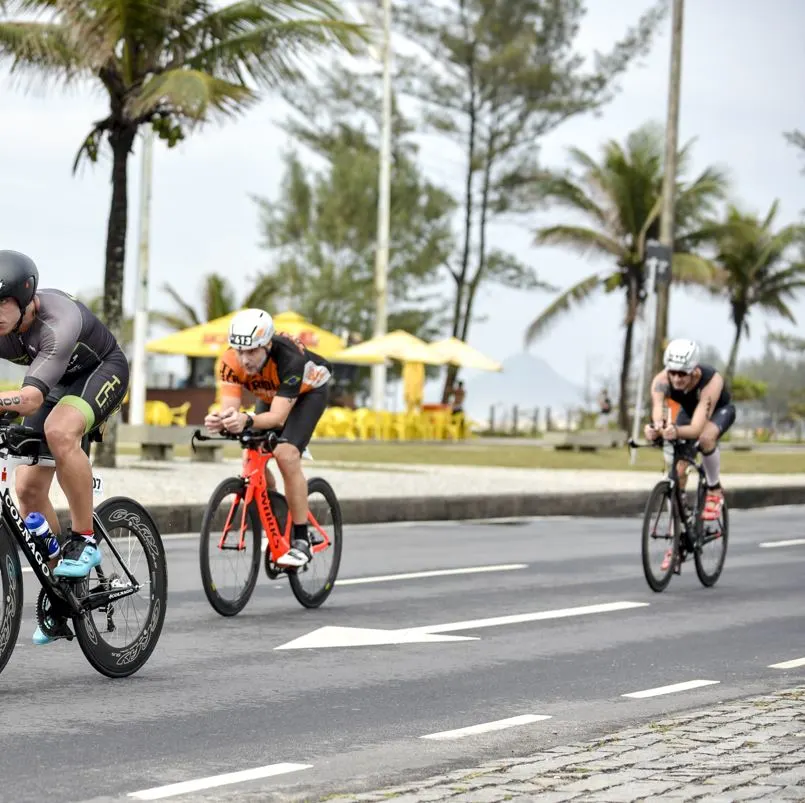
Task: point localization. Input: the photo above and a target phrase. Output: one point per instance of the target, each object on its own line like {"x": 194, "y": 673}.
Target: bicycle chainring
{"x": 51, "y": 623}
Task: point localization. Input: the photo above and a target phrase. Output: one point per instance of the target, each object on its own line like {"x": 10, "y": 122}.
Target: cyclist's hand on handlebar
{"x": 652, "y": 431}
{"x": 234, "y": 421}
{"x": 670, "y": 432}
{"x": 213, "y": 423}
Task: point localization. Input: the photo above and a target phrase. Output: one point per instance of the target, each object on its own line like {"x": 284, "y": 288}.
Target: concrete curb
{"x": 599, "y": 504}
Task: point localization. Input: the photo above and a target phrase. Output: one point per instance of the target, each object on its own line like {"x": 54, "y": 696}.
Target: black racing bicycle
{"x": 117, "y": 611}
{"x": 683, "y": 531}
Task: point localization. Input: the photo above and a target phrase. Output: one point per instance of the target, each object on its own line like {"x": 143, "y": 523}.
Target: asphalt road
{"x": 219, "y": 697}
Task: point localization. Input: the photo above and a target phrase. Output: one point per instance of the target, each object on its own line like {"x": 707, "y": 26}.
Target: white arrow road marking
{"x": 330, "y": 636}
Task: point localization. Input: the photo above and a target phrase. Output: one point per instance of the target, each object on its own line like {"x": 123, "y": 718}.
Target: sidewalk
{"x": 176, "y": 491}
{"x": 753, "y": 749}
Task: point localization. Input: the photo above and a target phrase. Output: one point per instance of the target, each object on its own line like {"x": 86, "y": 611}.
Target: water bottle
{"x": 39, "y": 526}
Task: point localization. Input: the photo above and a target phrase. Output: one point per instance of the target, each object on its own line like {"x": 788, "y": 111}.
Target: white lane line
{"x": 384, "y": 578}
{"x": 789, "y": 542}
{"x": 674, "y": 687}
{"x": 486, "y": 727}
{"x": 159, "y": 792}
{"x": 788, "y": 664}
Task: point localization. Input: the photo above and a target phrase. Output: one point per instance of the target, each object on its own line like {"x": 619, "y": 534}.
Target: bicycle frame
{"x": 58, "y": 590}
{"x": 698, "y": 536}
{"x": 258, "y": 450}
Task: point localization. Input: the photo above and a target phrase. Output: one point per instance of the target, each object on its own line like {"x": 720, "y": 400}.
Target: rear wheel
{"x": 660, "y": 546}
{"x": 711, "y": 545}
{"x": 11, "y": 601}
{"x": 229, "y": 548}
{"x": 313, "y": 583}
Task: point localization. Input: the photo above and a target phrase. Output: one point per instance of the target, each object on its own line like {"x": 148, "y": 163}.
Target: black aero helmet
{"x": 19, "y": 278}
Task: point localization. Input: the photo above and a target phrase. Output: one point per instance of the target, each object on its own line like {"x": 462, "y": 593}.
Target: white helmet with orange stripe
{"x": 250, "y": 329}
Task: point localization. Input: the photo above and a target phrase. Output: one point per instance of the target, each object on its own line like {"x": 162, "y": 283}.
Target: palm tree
{"x": 621, "y": 197}
{"x": 756, "y": 267}
{"x": 218, "y": 299}
{"x": 170, "y": 64}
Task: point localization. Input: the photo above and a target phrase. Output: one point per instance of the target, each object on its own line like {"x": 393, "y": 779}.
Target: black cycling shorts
{"x": 302, "y": 419}
{"x": 723, "y": 418}
{"x": 96, "y": 394}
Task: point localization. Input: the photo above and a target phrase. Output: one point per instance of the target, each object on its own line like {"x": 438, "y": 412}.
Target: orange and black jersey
{"x": 288, "y": 372}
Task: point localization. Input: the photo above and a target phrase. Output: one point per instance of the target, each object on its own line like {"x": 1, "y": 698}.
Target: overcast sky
{"x": 741, "y": 88}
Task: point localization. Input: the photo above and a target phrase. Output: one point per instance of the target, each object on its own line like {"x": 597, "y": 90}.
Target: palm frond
{"x": 575, "y": 295}
{"x": 191, "y": 93}
{"x": 219, "y": 299}
{"x": 692, "y": 269}
{"x": 41, "y": 49}
{"x": 583, "y": 241}
{"x": 190, "y": 316}
{"x": 271, "y": 52}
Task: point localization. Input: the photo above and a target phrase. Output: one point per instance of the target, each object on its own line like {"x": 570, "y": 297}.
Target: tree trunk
{"x": 631, "y": 316}
{"x": 121, "y": 142}
{"x": 728, "y": 374}
{"x": 461, "y": 278}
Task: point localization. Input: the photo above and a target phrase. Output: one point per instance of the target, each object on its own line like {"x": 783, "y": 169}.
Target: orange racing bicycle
{"x": 242, "y": 507}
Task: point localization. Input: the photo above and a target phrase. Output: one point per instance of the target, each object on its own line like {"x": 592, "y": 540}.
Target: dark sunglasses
{"x": 678, "y": 373}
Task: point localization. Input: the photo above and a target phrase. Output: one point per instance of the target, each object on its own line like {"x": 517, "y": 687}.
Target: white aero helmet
{"x": 681, "y": 355}
{"x": 250, "y": 329}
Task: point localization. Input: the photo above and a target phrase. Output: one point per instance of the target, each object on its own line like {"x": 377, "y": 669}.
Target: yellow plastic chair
{"x": 158, "y": 414}
{"x": 366, "y": 423}
{"x": 179, "y": 415}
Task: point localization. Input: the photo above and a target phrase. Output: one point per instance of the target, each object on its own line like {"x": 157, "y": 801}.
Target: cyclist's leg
{"x": 32, "y": 483}
{"x": 89, "y": 401}
{"x": 261, "y": 407}
{"x": 682, "y": 420}
{"x": 296, "y": 435}
{"x": 721, "y": 420}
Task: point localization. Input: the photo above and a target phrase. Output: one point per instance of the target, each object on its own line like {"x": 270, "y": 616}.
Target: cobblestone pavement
{"x": 747, "y": 750}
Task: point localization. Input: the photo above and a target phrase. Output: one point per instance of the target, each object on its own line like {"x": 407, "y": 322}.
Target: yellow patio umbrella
{"x": 210, "y": 339}
{"x": 457, "y": 352}
{"x": 397, "y": 345}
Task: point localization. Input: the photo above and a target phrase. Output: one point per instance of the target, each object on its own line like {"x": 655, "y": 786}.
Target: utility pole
{"x": 383, "y": 215}
{"x": 138, "y": 367}
{"x": 669, "y": 181}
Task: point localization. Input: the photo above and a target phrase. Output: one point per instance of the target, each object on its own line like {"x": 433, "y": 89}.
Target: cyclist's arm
{"x": 704, "y": 409}
{"x": 25, "y": 401}
{"x": 277, "y": 414}
{"x": 660, "y": 389}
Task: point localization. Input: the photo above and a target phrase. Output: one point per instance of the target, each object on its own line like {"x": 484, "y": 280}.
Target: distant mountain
{"x": 526, "y": 381}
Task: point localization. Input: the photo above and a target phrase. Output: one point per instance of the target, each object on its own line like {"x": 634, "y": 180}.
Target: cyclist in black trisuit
{"x": 77, "y": 377}
{"x": 706, "y": 412}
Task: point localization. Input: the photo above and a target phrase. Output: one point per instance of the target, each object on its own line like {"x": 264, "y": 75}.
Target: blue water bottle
{"x": 39, "y": 526}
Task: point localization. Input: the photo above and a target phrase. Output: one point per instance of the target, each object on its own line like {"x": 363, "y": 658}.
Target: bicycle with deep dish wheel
{"x": 132, "y": 576}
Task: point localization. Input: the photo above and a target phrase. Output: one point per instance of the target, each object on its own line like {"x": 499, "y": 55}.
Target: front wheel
{"x": 118, "y": 636}
{"x": 711, "y": 547}
{"x": 313, "y": 583}
{"x": 660, "y": 545}
{"x": 229, "y": 548}
{"x": 11, "y": 601}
